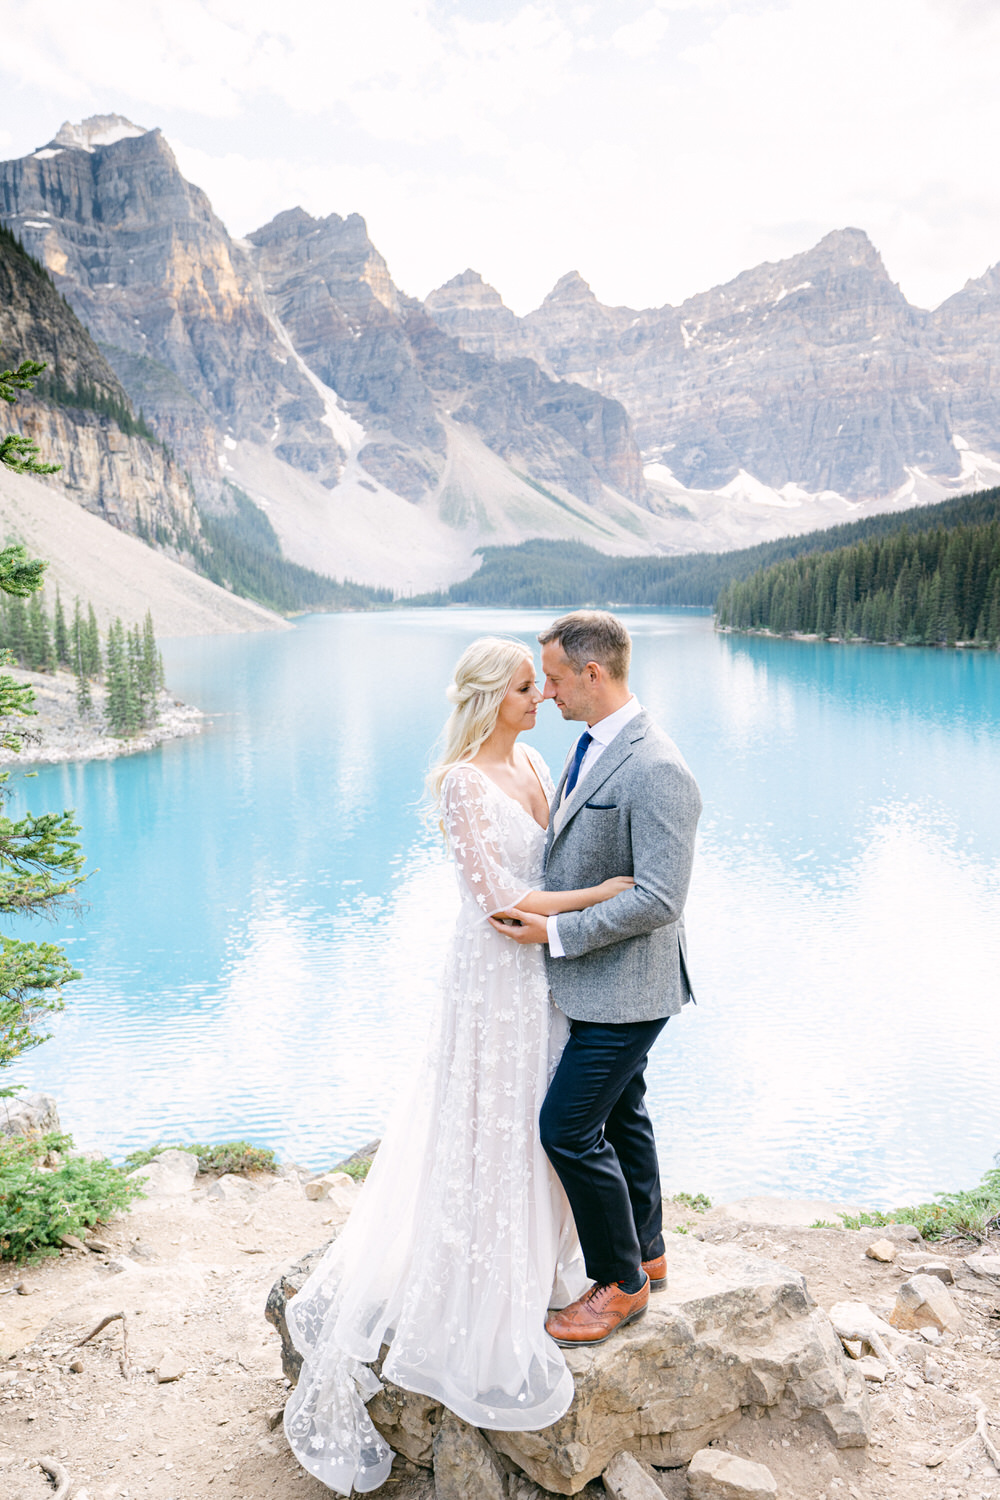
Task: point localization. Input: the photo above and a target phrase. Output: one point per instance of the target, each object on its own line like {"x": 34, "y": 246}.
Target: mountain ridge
{"x": 387, "y": 438}
{"x": 813, "y": 370}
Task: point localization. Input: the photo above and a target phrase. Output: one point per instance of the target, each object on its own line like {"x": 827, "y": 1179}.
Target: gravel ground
{"x": 191, "y": 1275}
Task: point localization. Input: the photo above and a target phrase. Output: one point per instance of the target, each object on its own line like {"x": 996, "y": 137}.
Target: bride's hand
{"x": 614, "y": 887}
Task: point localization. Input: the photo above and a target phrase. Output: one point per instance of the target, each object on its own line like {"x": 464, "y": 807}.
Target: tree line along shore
{"x": 929, "y": 575}
{"x": 938, "y": 588}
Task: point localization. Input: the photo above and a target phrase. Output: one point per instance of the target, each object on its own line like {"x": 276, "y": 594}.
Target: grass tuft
{"x": 697, "y": 1201}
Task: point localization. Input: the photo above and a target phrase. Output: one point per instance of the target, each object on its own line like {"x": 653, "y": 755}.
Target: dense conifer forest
{"x": 240, "y": 550}
{"x": 930, "y": 588}
{"x": 553, "y": 575}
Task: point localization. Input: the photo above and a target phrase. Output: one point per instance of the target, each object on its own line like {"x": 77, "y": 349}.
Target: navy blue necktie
{"x": 583, "y": 744}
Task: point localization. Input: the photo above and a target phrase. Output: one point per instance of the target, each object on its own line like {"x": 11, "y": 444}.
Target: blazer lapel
{"x": 614, "y": 756}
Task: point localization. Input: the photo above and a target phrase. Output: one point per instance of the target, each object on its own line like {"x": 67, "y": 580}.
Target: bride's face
{"x": 519, "y": 704}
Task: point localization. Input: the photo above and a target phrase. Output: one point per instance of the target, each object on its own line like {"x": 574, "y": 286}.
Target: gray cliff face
{"x": 400, "y": 373}
{"x": 116, "y": 472}
{"x": 813, "y": 370}
{"x": 153, "y": 274}
{"x": 211, "y": 336}
{"x": 965, "y": 335}
{"x": 334, "y": 295}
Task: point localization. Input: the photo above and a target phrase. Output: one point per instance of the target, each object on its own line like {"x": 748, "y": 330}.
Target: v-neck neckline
{"x": 511, "y": 798}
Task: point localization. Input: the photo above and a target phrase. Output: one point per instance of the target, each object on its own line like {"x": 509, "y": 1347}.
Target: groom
{"x": 626, "y": 805}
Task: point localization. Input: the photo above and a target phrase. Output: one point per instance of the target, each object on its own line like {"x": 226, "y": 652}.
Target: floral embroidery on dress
{"x": 462, "y": 1237}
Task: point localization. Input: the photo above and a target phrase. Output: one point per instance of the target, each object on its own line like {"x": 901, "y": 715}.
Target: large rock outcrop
{"x": 733, "y": 1334}
{"x": 80, "y": 414}
{"x": 400, "y": 374}
{"x": 156, "y": 278}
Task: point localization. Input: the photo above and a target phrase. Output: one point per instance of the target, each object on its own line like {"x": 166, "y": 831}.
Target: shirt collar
{"x": 605, "y": 730}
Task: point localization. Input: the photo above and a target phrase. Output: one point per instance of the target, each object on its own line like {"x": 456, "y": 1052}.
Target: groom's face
{"x": 570, "y": 691}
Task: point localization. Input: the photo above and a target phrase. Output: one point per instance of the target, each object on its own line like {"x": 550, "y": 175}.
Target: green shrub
{"x": 971, "y": 1214}
{"x": 38, "y": 1205}
{"x": 357, "y": 1169}
{"x": 224, "y": 1156}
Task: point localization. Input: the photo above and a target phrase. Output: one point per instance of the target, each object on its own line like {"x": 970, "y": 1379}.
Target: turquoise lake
{"x": 262, "y": 940}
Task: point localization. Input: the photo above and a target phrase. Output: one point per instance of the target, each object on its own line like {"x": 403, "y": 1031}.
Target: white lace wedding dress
{"x": 462, "y": 1237}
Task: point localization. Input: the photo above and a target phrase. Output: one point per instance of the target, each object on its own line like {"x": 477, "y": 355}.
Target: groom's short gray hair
{"x": 592, "y": 635}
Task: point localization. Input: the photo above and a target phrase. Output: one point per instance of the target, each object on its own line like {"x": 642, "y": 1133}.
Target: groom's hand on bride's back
{"x": 522, "y": 926}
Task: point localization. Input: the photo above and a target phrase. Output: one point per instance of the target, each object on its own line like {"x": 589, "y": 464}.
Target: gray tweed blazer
{"x": 634, "y": 813}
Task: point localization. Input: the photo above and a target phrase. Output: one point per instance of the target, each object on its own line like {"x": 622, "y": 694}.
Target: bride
{"x": 462, "y": 1237}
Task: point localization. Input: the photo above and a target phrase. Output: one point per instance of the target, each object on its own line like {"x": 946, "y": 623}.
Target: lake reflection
{"x": 265, "y": 932}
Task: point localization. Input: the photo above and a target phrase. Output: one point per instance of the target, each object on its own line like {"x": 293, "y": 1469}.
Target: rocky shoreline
{"x": 785, "y": 1361}
{"x": 59, "y": 732}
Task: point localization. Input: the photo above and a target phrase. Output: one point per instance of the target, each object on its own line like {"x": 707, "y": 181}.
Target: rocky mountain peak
{"x": 570, "y": 288}
{"x": 98, "y": 130}
{"x": 466, "y": 290}
{"x": 847, "y": 246}
{"x": 337, "y": 251}
{"x": 472, "y": 311}
{"x": 291, "y": 223}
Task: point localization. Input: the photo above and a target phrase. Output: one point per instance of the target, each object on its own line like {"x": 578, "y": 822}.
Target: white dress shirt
{"x": 602, "y": 733}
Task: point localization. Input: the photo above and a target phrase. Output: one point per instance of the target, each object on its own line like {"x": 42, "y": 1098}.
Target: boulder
{"x": 465, "y": 1466}
{"x": 881, "y": 1250}
{"x": 29, "y": 1114}
{"x": 230, "y": 1187}
{"x": 902, "y": 1234}
{"x": 336, "y": 1188}
{"x": 281, "y": 1293}
{"x": 732, "y": 1333}
{"x": 983, "y": 1263}
{"x": 626, "y": 1479}
{"x": 939, "y": 1268}
{"x": 715, "y": 1474}
{"x": 923, "y": 1302}
{"x": 168, "y": 1174}
{"x": 856, "y": 1323}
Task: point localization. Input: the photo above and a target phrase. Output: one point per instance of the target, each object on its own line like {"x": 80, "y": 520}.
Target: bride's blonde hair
{"x": 483, "y": 673}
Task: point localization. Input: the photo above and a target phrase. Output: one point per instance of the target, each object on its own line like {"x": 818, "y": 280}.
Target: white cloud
{"x": 637, "y": 37}
{"x": 659, "y": 147}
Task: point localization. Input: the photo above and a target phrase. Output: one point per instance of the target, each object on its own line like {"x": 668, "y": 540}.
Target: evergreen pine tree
{"x": 36, "y": 637}
{"x": 120, "y": 703}
{"x": 17, "y": 630}
{"x": 92, "y": 645}
{"x": 77, "y": 646}
{"x": 151, "y": 670}
{"x": 60, "y": 634}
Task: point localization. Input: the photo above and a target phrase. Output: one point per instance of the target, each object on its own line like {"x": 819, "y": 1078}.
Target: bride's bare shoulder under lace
{"x": 462, "y": 1237}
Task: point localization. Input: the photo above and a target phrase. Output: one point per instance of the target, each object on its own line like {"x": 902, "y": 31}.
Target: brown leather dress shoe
{"x": 656, "y": 1270}
{"x": 596, "y": 1315}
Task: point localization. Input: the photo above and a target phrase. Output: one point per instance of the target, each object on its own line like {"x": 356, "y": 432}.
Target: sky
{"x": 659, "y": 147}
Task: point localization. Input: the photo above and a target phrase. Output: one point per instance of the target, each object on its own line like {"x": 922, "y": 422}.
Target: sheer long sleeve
{"x": 474, "y": 816}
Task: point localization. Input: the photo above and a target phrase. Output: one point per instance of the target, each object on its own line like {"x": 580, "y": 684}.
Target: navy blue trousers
{"x": 599, "y": 1138}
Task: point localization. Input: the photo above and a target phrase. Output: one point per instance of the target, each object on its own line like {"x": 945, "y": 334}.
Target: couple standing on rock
{"x": 566, "y": 962}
